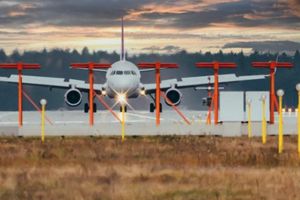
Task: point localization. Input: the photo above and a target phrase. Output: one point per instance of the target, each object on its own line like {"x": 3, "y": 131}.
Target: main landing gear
{"x": 87, "y": 107}
{"x": 152, "y": 107}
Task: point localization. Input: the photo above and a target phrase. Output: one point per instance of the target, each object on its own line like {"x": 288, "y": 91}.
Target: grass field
{"x": 149, "y": 168}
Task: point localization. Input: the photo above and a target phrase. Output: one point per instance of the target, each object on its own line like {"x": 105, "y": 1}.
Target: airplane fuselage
{"x": 123, "y": 78}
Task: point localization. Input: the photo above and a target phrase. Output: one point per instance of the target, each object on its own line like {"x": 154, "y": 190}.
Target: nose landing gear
{"x": 124, "y": 109}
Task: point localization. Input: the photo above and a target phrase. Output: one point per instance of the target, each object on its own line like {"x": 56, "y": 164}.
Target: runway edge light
{"x": 263, "y": 121}
{"x": 298, "y": 117}
{"x": 280, "y": 94}
{"x": 43, "y": 102}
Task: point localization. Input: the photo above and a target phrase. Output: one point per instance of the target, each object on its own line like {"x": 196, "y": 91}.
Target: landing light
{"x": 103, "y": 92}
{"x": 121, "y": 98}
{"x": 143, "y": 92}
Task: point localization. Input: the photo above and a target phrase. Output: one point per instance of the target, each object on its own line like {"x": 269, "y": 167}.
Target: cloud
{"x": 295, "y": 6}
{"x": 159, "y": 13}
{"x": 185, "y": 23}
{"x": 242, "y": 14}
{"x": 266, "y": 46}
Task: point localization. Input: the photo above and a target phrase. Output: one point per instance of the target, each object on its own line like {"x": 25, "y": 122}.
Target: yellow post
{"x": 123, "y": 122}
{"x": 298, "y": 117}
{"x": 280, "y": 93}
{"x": 280, "y": 131}
{"x": 264, "y": 121}
{"x": 249, "y": 119}
{"x": 193, "y": 119}
{"x": 43, "y": 103}
{"x": 200, "y": 118}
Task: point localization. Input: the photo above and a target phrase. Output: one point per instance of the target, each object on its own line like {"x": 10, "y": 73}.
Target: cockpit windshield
{"x": 119, "y": 72}
{"x": 133, "y": 72}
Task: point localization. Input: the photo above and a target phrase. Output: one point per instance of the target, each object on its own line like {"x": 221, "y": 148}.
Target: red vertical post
{"x": 90, "y": 67}
{"x": 216, "y": 92}
{"x": 91, "y": 94}
{"x": 216, "y": 66}
{"x": 272, "y": 65}
{"x": 272, "y": 92}
{"x": 20, "y": 66}
{"x": 157, "y": 66}
{"x": 157, "y": 93}
{"x": 20, "y": 96}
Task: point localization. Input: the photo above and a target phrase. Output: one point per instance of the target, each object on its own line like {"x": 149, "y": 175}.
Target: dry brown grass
{"x": 148, "y": 168}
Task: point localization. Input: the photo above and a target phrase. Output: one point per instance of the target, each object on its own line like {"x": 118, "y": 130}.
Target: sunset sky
{"x": 160, "y": 26}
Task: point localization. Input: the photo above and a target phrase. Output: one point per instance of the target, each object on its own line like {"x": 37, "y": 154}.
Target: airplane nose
{"x": 122, "y": 85}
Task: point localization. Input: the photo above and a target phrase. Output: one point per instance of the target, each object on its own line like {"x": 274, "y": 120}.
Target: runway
{"x": 76, "y": 123}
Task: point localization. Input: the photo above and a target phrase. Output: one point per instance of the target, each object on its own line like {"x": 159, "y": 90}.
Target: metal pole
{"x": 43, "y": 103}
{"x": 91, "y": 96}
{"x": 272, "y": 94}
{"x": 216, "y": 94}
{"x": 157, "y": 93}
{"x": 20, "y": 98}
{"x": 43, "y": 123}
{"x": 298, "y": 117}
{"x": 264, "y": 122}
{"x": 249, "y": 120}
{"x": 280, "y": 94}
{"x": 280, "y": 138}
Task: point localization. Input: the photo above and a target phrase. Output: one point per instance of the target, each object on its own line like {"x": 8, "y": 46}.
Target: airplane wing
{"x": 192, "y": 82}
{"x": 50, "y": 82}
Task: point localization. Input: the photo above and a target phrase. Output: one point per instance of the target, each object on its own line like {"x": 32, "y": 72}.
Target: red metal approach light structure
{"x": 272, "y": 65}
{"x": 216, "y": 66}
{"x": 157, "y": 66}
{"x": 20, "y": 66}
{"x": 91, "y": 66}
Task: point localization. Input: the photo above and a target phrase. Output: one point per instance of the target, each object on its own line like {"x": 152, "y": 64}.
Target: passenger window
{"x": 127, "y": 72}
{"x": 119, "y": 73}
{"x": 113, "y": 73}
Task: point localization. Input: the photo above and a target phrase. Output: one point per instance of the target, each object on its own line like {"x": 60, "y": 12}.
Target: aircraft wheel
{"x": 125, "y": 110}
{"x": 86, "y": 107}
{"x": 152, "y": 107}
{"x": 95, "y": 108}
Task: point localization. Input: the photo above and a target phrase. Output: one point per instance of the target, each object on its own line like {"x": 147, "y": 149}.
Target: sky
{"x": 159, "y": 26}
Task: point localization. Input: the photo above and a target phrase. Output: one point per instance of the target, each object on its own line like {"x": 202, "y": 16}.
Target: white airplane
{"x": 123, "y": 81}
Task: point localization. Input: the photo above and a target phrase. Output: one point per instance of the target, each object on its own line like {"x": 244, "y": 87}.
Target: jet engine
{"x": 174, "y": 96}
{"x": 73, "y": 97}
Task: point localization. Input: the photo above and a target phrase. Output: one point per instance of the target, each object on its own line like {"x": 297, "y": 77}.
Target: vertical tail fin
{"x": 122, "y": 56}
